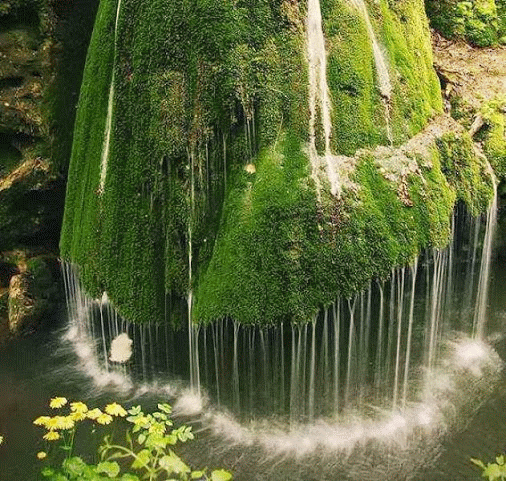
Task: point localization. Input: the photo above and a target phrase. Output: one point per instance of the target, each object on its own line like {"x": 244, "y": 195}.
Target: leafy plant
{"x": 492, "y": 471}
{"x": 146, "y": 453}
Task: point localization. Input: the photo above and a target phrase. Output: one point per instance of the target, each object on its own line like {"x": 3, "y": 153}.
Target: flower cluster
{"x": 57, "y": 425}
{"x": 147, "y": 451}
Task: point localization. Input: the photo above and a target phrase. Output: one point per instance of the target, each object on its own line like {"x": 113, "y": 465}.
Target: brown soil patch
{"x": 475, "y": 74}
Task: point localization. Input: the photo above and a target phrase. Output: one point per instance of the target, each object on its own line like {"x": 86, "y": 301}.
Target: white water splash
{"x": 121, "y": 348}
{"x": 436, "y": 409}
{"x": 108, "y": 121}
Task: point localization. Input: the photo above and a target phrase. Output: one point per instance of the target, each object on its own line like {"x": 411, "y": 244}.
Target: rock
{"x": 4, "y": 316}
{"x": 32, "y": 293}
{"x": 22, "y": 309}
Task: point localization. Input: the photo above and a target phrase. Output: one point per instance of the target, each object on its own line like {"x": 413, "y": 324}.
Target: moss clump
{"x": 416, "y": 89}
{"x": 200, "y": 92}
{"x": 279, "y": 257}
{"x": 481, "y": 22}
{"x": 494, "y": 135}
{"x": 466, "y": 171}
{"x": 358, "y": 115}
{"x": 361, "y": 116}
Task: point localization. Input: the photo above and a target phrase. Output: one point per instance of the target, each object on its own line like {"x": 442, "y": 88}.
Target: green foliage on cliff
{"x": 467, "y": 173}
{"x": 197, "y": 89}
{"x": 360, "y": 114}
{"x": 481, "y": 22}
{"x": 493, "y": 135}
{"x": 207, "y": 181}
{"x": 416, "y": 90}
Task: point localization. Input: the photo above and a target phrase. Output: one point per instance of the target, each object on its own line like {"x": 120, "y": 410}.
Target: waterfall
{"x": 384, "y": 84}
{"x": 110, "y": 102}
{"x": 484, "y": 279}
{"x": 319, "y": 98}
{"x": 383, "y": 352}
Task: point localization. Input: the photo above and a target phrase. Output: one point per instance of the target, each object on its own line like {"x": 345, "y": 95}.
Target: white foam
{"x": 121, "y": 348}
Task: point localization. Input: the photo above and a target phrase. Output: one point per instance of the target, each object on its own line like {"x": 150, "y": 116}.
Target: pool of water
{"x": 466, "y": 421}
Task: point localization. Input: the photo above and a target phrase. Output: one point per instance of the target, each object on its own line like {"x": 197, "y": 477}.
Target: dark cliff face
{"x": 43, "y": 47}
{"x": 42, "y": 51}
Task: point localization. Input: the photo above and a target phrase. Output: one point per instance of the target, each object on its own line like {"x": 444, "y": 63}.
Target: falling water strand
{"x": 400, "y": 300}
{"x": 312, "y": 372}
{"x": 486, "y": 257}
{"x": 474, "y": 231}
{"x": 319, "y": 97}
{"x": 435, "y": 305}
{"x": 414, "y": 271}
{"x": 379, "y": 342}
{"x": 108, "y": 121}
{"x": 236, "y": 367}
{"x": 336, "y": 308}
{"x": 351, "y": 338}
{"x": 104, "y": 342}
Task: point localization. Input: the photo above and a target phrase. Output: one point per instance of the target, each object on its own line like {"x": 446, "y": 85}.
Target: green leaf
{"x": 478, "y": 462}
{"x": 129, "y": 477}
{"x": 135, "y": 410}
{"x": 197, "y": 474}
{"x": 47, "y": 472}
{"x": 111, "y": 469}
{"x": 499, "y": 460}
{"x": 221, "y": 475}
{"x": 494, "y": 472}
{"x": 172, "y": 463}
{"x": 166, "y": 408}
{"x": 128, "y": 437}
{"x": 142, "y": 459}
{"x": 141, "y": 438}
{"x": 75, "y": 466}
{"x": 59, "y": 477}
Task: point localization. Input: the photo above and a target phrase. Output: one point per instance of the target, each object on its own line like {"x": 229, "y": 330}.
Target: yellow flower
{"x": 94, "y": 413}
{"x": 41, "y": 420}
{"x": 78, "y": 407}
{"x": 78, "y": 416}
{"x": 115, "y": 409}
{"x": 42, "y": 454}
{"x": 51, "y": 436}
{"x": 1, "y": 439}
{"x": 65, "y": 422}
{"x": 52, "y": 423}
{"x": 104, "y": 419}
{"x": 57, "y": 402}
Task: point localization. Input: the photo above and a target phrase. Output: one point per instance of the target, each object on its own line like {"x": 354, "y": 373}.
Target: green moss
{"x": 278, "y": 257}
{"x": 200, "y": 92}
{"x": 358, "y": 110}
{"x": 361, "y": 116}
{"x": 466, "y": 171}
{"x": 494, "y": 136}
{"x": 416, "y": 90}
{"x": 186, "y": 113}
{"x": 481, "y": 22}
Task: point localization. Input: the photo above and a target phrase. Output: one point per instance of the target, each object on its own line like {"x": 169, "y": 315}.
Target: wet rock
{"x": 32, "y": 293}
